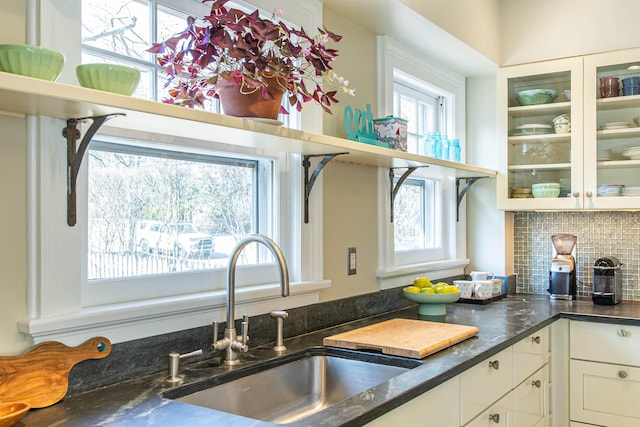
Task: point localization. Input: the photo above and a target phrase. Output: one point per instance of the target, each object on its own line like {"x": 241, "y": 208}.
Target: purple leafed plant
{"x": 252, "y": 52}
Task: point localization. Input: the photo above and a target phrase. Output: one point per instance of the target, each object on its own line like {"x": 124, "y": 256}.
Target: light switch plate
{"x": 351, "y": 261}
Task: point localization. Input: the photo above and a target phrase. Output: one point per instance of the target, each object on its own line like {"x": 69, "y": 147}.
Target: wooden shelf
{"x": 553, "y": 108}
{"x": 549, "y": 137}
{"x": 28, "y": 96}
{"x": 549, "y": 166}
{"x": 618, "y": 133}
{"x": 618, "y": 164}
{"x": 618, "y": 102}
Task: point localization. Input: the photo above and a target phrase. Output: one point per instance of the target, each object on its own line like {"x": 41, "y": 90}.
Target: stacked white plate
{"x": 631, "y": 191}
{"x": 615, "y": 125}
{"x": 532, "y": 129}
{"x": 603, "y": 154}
{"x": 610, "y": 190}
{"x": 633, "y": 153}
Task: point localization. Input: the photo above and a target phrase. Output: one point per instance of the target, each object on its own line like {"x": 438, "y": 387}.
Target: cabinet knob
{"x": 623, "y": 333}
{"x": 588, "y": 194}
{"x": 536, "y": 383}
{"x": 536, "y": 339}
{"x": 576, "y": 194}
{"x": 495, "y": 418}
{"x": 495, "y": 364}
{"x": 623, "y": 374}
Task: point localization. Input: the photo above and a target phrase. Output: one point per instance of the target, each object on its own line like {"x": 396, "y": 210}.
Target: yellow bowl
{"x": 113, "y": 78}
{"x": 432, "y": 304}
{"x": 12, "y": 412}
{"x": 31, "y": 61}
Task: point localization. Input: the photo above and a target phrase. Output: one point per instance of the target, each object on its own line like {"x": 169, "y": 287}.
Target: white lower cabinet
{"x": 485, "y": 383}
{"x": 509, "y": 389}
{"x": 531, "y": 400}
{"x": 605, "y": 394}
{"x": 439, "y": 407}
{"x": 604, "y": 374}
{"x": 497, "y": 415}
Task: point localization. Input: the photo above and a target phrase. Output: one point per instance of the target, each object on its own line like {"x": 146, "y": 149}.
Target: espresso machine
{"x": 562, "y": 277}
{"x": 607, "y": 281}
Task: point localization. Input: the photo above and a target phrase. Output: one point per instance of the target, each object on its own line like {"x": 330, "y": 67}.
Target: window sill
{"x": 402, "y": 276}
{"x": 130, "y": 321}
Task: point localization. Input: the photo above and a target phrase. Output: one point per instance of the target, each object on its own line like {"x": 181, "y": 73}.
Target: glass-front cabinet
{"x": 577, "y": 149}
{"x": 612, "y": 129}
{"x": 540, "y": 119}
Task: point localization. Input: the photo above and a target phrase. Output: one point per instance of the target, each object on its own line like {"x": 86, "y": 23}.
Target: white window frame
{"x": 396, "y": 59}
{"x": 55, "y": 309}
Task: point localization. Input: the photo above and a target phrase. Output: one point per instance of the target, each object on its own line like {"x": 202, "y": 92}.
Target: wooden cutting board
{"x": 403, "y": 337}
{"x": 40, "y": 376}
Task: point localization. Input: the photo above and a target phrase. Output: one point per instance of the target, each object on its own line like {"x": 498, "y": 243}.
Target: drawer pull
{"x": 623, "y": 333}
{"x": 623, "y": 374}
{"x": 536, "y": 339}
{"x": 536, "y": 383}
{"x": 495, "y": 364}
{"x": 495, "y": 418}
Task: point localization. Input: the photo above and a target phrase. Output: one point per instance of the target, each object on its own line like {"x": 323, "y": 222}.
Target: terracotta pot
{"x": 250, "y": 103}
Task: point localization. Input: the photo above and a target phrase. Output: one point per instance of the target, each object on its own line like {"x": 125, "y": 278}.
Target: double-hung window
{"x": 158, "y": 216}
{"x": 423, "y": 235}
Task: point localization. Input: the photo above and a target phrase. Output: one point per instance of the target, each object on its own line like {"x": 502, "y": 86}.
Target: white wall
{"x": 13, "y": 227}
{"x": 546, "y": 29}
{"x": 475, "y": 22}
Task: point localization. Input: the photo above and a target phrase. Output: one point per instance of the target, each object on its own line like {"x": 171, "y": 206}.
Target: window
{"x": 121, "y": 31}
{"x": 422, "y": 238}
{"x": 142, "y": 261}
{"x": 167, "y": 212}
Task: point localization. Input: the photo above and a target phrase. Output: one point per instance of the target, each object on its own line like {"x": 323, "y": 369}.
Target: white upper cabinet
{"x": 583, "y": 161}
{"x": 532, "y": 152}
{"x": 610, "y": 131}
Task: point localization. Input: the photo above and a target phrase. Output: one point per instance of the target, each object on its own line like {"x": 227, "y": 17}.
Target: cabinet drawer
{"x": 495, "y": 416}
{"x": 530, "y": 400}
{"x": 605, "y": 342}
{"x": 438, "y": 407}
{"x": 485, "y": 383}
{"x": 529, "y": 355}
{"x": 604, "y": 394}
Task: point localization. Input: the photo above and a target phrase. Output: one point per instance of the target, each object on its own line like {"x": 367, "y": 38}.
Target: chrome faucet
{"x": 231, "y": 343}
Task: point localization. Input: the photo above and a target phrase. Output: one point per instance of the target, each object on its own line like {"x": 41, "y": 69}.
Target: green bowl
{"x": 432, "y": 304}
{"x": 108, "y": 77}
{"x": 536, "y": 96}
{"x": 31, "y": 61}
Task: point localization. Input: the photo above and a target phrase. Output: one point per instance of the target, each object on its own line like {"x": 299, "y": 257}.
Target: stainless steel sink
{"x": 295, "y": 389}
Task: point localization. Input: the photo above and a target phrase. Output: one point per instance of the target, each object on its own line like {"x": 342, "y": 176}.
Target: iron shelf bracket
{"x": 460, "y": 194}
{"x": 74, "y": 156}
{"x": 308, "y": 182}
{"x": 395, "y": 188}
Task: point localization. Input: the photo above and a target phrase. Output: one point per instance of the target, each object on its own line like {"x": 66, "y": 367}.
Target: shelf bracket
{"x": 309, "y": 181}
{"x": 460, "y": 194}
{"x": 395, "y": 188}
{"x": 74, "y": 156}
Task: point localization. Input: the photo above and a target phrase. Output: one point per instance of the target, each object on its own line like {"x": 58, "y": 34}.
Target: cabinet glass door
{"x": 543, "y": 160}
{"x": 612, "y": 129}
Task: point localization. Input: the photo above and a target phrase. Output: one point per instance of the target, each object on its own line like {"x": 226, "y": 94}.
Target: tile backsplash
{"x": 599, "y": 234}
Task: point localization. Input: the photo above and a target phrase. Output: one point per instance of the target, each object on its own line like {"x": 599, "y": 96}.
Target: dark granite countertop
{"x": 501, "y": 324}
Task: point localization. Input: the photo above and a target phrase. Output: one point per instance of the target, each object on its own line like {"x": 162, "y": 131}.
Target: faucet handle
{"x": 215, "y": 331}
{"x": 245, "y": 329}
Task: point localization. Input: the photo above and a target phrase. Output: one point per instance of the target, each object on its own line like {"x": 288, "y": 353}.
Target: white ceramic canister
{"x": 481, "y": 275}
{"x": 466, "y": 288}
{"x": 483, "y": 289}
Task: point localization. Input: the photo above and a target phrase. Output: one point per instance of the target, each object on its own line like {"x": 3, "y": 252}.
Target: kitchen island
{"x": 501, "y": 324}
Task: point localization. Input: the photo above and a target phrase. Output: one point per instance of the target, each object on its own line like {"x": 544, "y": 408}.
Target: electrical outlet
{"x": 351, "y": 261}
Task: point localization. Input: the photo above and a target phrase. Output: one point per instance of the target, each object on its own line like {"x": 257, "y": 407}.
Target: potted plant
{"x": 231, "y": 52}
